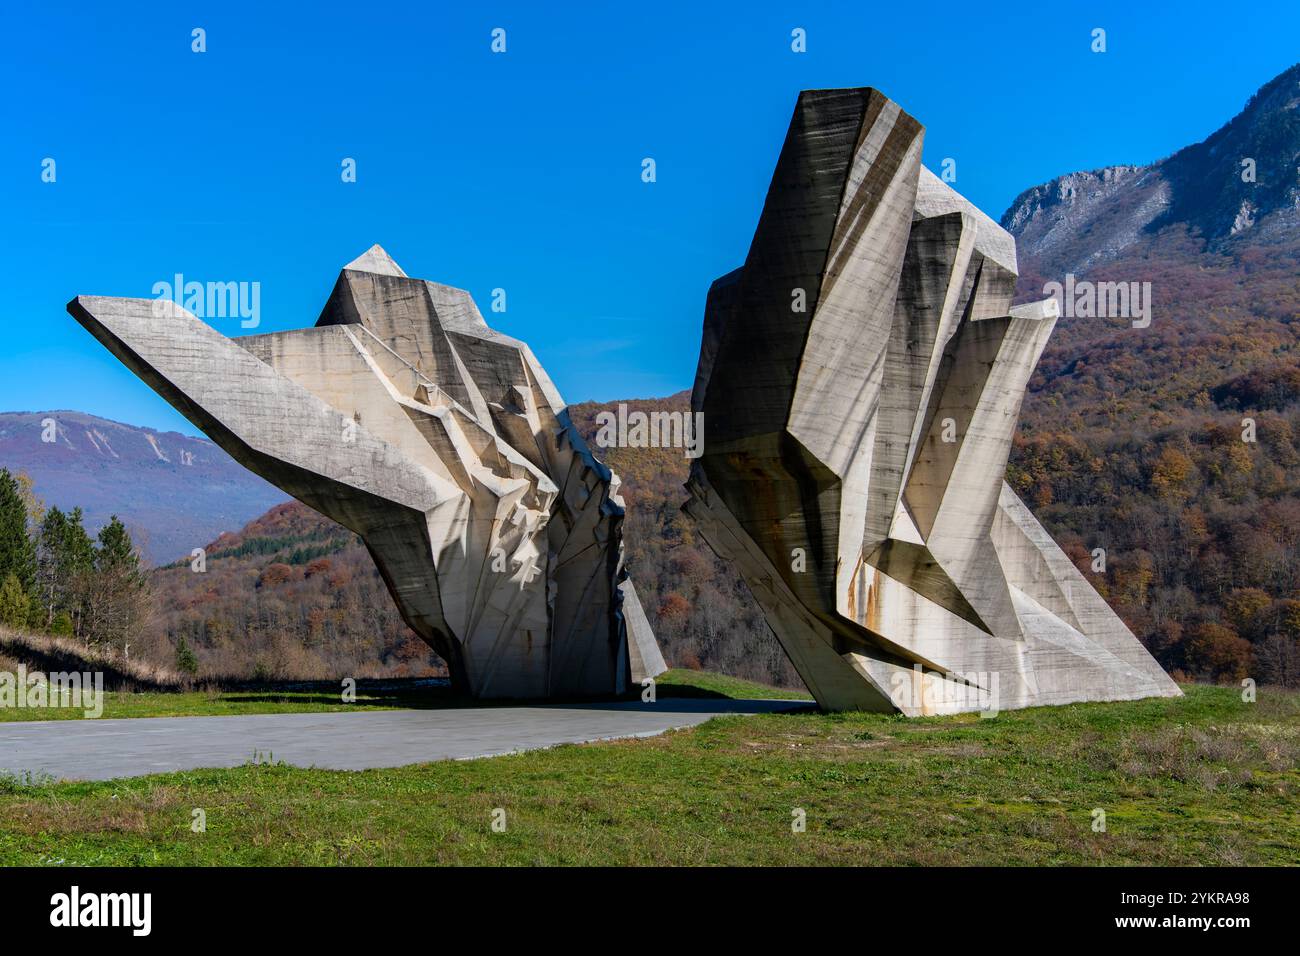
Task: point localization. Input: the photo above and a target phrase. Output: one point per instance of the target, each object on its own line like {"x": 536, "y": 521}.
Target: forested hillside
{"x": 1138, "y": 441}
{"x": 699, "y": 607}
{"x": 292, "y": 595}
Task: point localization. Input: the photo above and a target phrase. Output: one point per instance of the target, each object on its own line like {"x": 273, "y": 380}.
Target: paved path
{"x": 103, "y": 749}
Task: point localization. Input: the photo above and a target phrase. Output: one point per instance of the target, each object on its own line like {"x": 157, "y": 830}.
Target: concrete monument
{"x": 440, "y": 442}
{"x": 861, "y": 377}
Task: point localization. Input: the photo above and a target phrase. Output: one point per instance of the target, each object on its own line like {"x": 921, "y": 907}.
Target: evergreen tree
{"x": 186, "y": 660}
{"x": 14, "y": 602}
{"x": 78, "y": 547}
{"x": 17, "y": 550}
{"x": 79, "y": 552}
{"x": 50, "y": 585}
{"x": 118, "y": 598}
{"x": 65, "y": 556}
{"x": 116, "y": 552}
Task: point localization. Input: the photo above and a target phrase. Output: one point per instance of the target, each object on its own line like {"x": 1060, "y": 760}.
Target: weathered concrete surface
{"x": 104, "y": 749}
{"x": 861, "y": 377}
{"x": 440, "y": 442}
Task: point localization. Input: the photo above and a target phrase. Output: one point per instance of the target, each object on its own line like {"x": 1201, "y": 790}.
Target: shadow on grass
{"x": 436, "y": 694}
{"x": 410, "y": 693}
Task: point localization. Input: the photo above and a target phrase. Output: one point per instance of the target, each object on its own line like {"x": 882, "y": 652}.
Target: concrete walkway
{"x": 104, "y": 749}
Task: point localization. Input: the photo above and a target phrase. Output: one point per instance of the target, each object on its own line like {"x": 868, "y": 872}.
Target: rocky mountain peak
{"x": 1243, "y": 181}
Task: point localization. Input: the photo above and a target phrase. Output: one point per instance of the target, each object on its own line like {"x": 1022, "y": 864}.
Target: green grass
{"x": 1205, "y": 779}
{"x": 206, "y": 704}
{"x": 328, "y": 697}
{"x": 684, "y": 683}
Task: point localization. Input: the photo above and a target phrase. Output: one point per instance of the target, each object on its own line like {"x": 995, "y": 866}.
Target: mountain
{"x": 1223, "y": 287}
{"x": 1077, "y": 222}
{"x": 172, "y": 491}
{"x": 1165, "y": 457}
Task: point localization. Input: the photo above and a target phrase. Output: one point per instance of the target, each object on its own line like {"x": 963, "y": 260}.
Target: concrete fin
{"x": 861, "y": 376}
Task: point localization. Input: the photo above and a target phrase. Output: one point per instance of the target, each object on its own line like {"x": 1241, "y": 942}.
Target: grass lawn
{"x": 684, "y": 683}
{"x": 210, "y": 704}
{"x": 203, "y": 704}
{"x": 1205, "y": 779}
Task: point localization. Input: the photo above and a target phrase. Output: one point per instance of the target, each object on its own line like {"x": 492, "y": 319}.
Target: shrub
{"x": 274, "y": 575}
{"x": 186, "y": 661}
{"x": 15, "y": 605}
{"x": 1218, "y": 652}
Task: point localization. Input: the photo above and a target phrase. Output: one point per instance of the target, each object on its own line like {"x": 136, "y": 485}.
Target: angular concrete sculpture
{"x": 861, "y": 377}
{"x": 440, "y": 442}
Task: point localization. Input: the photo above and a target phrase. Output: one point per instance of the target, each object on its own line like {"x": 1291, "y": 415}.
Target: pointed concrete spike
{"x": 375, "y": 260}
{"x": 644, "y": 657}
{"x": 934, "y": 197}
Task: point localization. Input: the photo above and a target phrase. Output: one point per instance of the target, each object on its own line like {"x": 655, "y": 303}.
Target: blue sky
{"x": 522, "y": 170}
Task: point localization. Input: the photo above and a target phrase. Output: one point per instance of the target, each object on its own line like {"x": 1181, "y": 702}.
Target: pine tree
{"x": 118, "y": 598}
{"x": 116, "y": 552}
{"x": 65, "y": 556}
{"x": 17, "y": 550}
{"x": 186, "y": 660}
{"x": 14, "y": 602}
{"x": 78, "y": 547}
{"x": 50, "y": 585}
